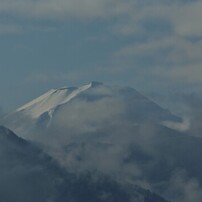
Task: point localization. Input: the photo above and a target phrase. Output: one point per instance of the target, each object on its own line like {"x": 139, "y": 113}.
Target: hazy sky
{"x": 153, "y": 46}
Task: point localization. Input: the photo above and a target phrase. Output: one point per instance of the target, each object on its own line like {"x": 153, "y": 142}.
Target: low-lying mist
{"x": 121, "y": 135}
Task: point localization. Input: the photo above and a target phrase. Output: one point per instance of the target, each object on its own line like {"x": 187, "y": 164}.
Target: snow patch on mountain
{"x": 50, "y": 100}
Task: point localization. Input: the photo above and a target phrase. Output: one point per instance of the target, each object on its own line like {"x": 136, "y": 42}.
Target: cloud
{"x": 183, "y": 126}
{"x": 187, "y": 19}
{"x": 166, "y": 42}
{"x": 162, "y": 17}
{"x": 150, "y": 19}
{"x": 167, "y": 49}
{"x": 169, "y": 58}
{"x": 163, "y": 35}
{"x": 189, "y": 106}
{"x": 136, "y": 12}
{"x": 60, "y": 10}
{"x": 96, "y": 132}
{"x": 189, "y": 73}
{"x": 93, "y": 114}
{"x": 144, "y": 155}
{"x": 193, "y": 104}
{"x": 183, "y": 188}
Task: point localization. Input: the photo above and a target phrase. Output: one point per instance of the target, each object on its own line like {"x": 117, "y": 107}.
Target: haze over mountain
{"x": 100, "y": 142}
{"x": 94, "y": 99}
{"x": 28, "y": 174}
{"x": 115, "y": 131}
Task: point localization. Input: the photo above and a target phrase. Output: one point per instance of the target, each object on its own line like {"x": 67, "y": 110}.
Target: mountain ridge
{"x": 28, "y": 174}
{"x": 50, "y": 100}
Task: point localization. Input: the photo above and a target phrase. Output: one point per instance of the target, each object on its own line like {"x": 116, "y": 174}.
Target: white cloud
{"x": 186, "y": 73}
{"x": 183, "y": 126}
{"x": 184, "y": 18}
{"x": 61, "y": 9}
{"x": 153, "y": 19}
{"x": 85, "y": 116}
{"x": 158, "y": 31}
{"x": 174, "y": 49}
{"x": 184, "y": 189}
{"x": 175, "y": 58}
{"x": 187, "y": 19}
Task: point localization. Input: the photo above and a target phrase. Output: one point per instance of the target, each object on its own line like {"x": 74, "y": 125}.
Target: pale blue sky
{"x": 152, "y": 46}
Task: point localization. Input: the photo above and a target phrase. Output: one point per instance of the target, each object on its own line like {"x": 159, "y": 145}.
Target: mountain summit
{"x": 93, "y": 98}
{"x": 112, "y": 130}
{"x": 50, "y": 101}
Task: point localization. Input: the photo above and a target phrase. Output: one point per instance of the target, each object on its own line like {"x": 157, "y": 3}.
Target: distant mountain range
{"x": 116, "y": 133}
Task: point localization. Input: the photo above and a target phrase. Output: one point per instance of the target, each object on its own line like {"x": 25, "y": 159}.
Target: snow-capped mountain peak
{"x": 87, "y": 103}
{"x": 53, "y": 98}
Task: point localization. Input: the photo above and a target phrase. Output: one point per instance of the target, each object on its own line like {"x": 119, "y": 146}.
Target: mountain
{"x": 113, "y": 100}
{"x": 28, "y": 174}
{"x": 115, "y": 131}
